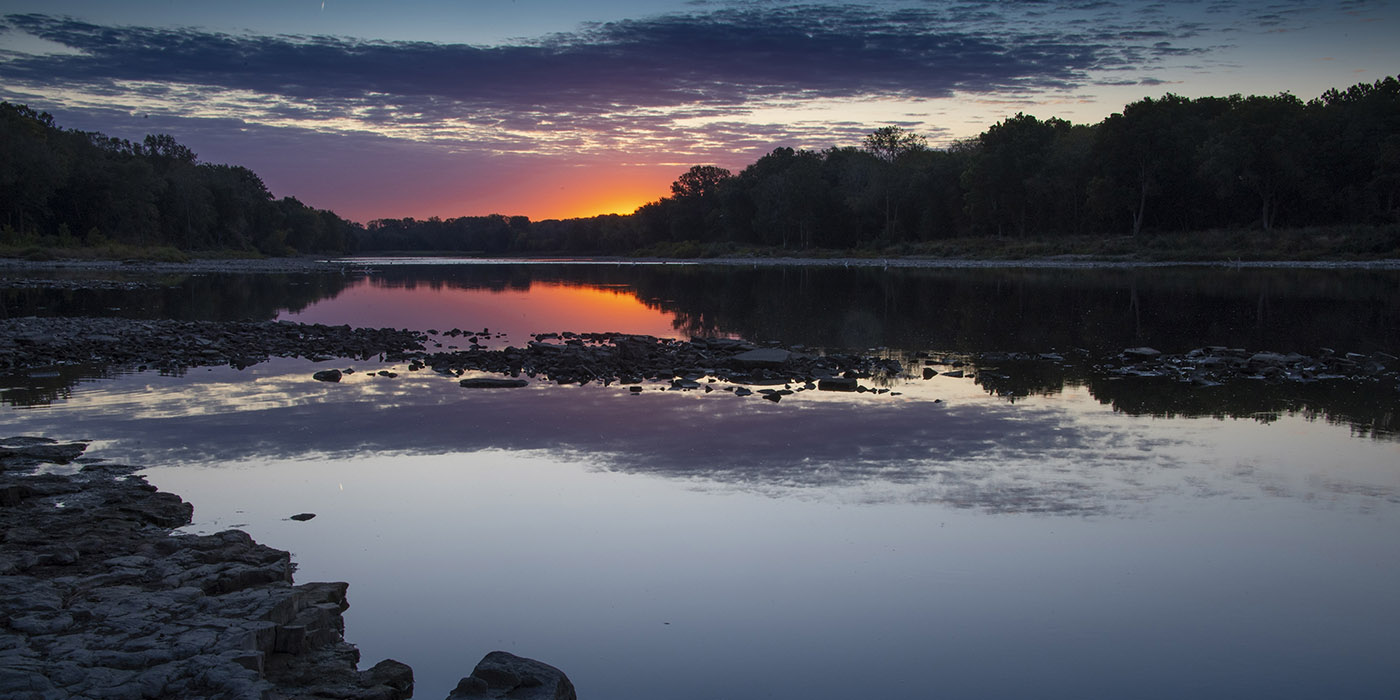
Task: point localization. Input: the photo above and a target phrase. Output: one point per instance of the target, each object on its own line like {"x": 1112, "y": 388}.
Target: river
{"x": 1038, "y": 526}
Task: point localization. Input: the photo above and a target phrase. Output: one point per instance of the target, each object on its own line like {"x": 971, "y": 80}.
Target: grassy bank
{"x": 1303, "y": 244}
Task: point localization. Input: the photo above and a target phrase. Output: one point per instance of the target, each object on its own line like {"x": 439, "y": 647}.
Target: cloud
{"x": 718, "y": 82}
{"x": 604, "y": 86}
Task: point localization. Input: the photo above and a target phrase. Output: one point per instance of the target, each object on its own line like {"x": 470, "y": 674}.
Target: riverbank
{"x": 1308, "y": 244}
{"x": 369, "y": 262}
{"x": 100, "y": 597}
{"x": 87, "y": 273}
{"x": 158, "y": 267}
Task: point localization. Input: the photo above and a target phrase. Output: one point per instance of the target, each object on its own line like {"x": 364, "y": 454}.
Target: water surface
{"x": 1077, "y": 537}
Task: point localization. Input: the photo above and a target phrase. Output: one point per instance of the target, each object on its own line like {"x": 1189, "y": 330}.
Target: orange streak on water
{"x": 544, "y": 307}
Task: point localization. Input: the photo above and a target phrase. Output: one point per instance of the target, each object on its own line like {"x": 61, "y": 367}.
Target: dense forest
{"x": 1165, "y": 166}
{"x": 67, "y": 188}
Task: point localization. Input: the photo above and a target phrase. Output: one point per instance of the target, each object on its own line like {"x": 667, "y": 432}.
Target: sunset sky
{"x": 554, "y": 109}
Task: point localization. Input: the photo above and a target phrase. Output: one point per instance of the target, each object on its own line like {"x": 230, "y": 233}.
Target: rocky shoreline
{"x": 27, "y": 343}
{"x": 151, "y": 268}
{"x": 100, "y": 599}
{"x": 40, "y": 342}
{"x": 696, "y": 364}
{"x": 637, "y": 362}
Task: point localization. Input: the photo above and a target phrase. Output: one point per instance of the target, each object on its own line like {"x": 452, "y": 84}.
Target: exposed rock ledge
{"x": 99, "y": 599}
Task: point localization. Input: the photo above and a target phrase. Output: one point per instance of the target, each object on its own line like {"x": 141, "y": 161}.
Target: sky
{"x": 557, "y": 109}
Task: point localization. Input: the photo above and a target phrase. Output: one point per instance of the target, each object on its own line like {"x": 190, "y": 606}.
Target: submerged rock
{"x": 492, "y": 383}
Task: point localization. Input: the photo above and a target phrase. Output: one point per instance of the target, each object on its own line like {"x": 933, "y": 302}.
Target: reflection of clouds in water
{"x": 1056, "y": 456}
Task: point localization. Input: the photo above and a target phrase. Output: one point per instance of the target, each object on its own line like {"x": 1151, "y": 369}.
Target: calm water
{"x": 1073, "y": 537}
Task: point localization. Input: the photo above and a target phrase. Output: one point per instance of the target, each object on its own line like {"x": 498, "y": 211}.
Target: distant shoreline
{"x": 351, "y": 263}
{"x": 1066, "y": 262}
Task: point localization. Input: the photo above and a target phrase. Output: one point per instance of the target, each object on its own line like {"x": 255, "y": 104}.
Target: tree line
{"x": 70, "y": 188}
{"x": 1164, "y": 165}
{"x": 1161, "y": 166}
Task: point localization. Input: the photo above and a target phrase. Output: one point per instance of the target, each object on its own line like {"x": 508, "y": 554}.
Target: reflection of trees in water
{"x": 47, "y": 387}
{"x": 1365, "y": 405}
{"x": 211, "y": 297}
{"x": 1368, "y": 407}
{"x": 54, "y": 384}
{"x": 1028, "y": 310}
{"x": 980, "y": 310}
{"x": 214, "y": 297}
{"x": 1017, "y": 379}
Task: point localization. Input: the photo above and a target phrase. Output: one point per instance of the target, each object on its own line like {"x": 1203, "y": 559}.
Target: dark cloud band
{"x": 726, "y": 57}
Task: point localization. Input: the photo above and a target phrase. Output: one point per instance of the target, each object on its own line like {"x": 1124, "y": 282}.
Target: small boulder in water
{"x": 491, "y": 383}
{"x": 327, "y": 375}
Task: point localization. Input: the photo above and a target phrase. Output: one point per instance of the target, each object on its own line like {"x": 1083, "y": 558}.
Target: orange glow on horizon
{"x": 547, "y": 193}
{"x": 621, "y": 204}
{"x": 586, "y": 192}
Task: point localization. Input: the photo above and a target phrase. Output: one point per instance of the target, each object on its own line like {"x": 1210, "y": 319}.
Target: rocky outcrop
{"x": 1213, "y": 366}
{"x": 99, "y": 599}
{"x": 31, "y": 343}
{"x": 504, "y": 675}
{"x": 608, "y": 358}
{"x": 171, "y": 345}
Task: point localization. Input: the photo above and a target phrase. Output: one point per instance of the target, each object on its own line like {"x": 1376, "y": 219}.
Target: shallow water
{"x": 690, "y": 545}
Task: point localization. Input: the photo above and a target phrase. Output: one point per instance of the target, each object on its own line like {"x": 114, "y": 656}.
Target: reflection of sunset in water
{"x": 542, "y": 307}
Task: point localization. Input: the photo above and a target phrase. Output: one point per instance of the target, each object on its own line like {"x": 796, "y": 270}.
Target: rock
{"x": 170, "y": 344}
{"x": 303, "y": 517}
{"x": 1267, "y": 358}
{"x": 390, "y": 675}
{"x": 837, "y": 384}
{"x": 1142, "y": 352}
{"x": 764, "y": 357}
{"x": 929, "y": 373}
{"x": 504, "y": 675}
{"x": 492, "y": 383}
{"x": 327, "y": 375}
{"x": 955, "y": 374}
{"x": 34, "y": 452}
